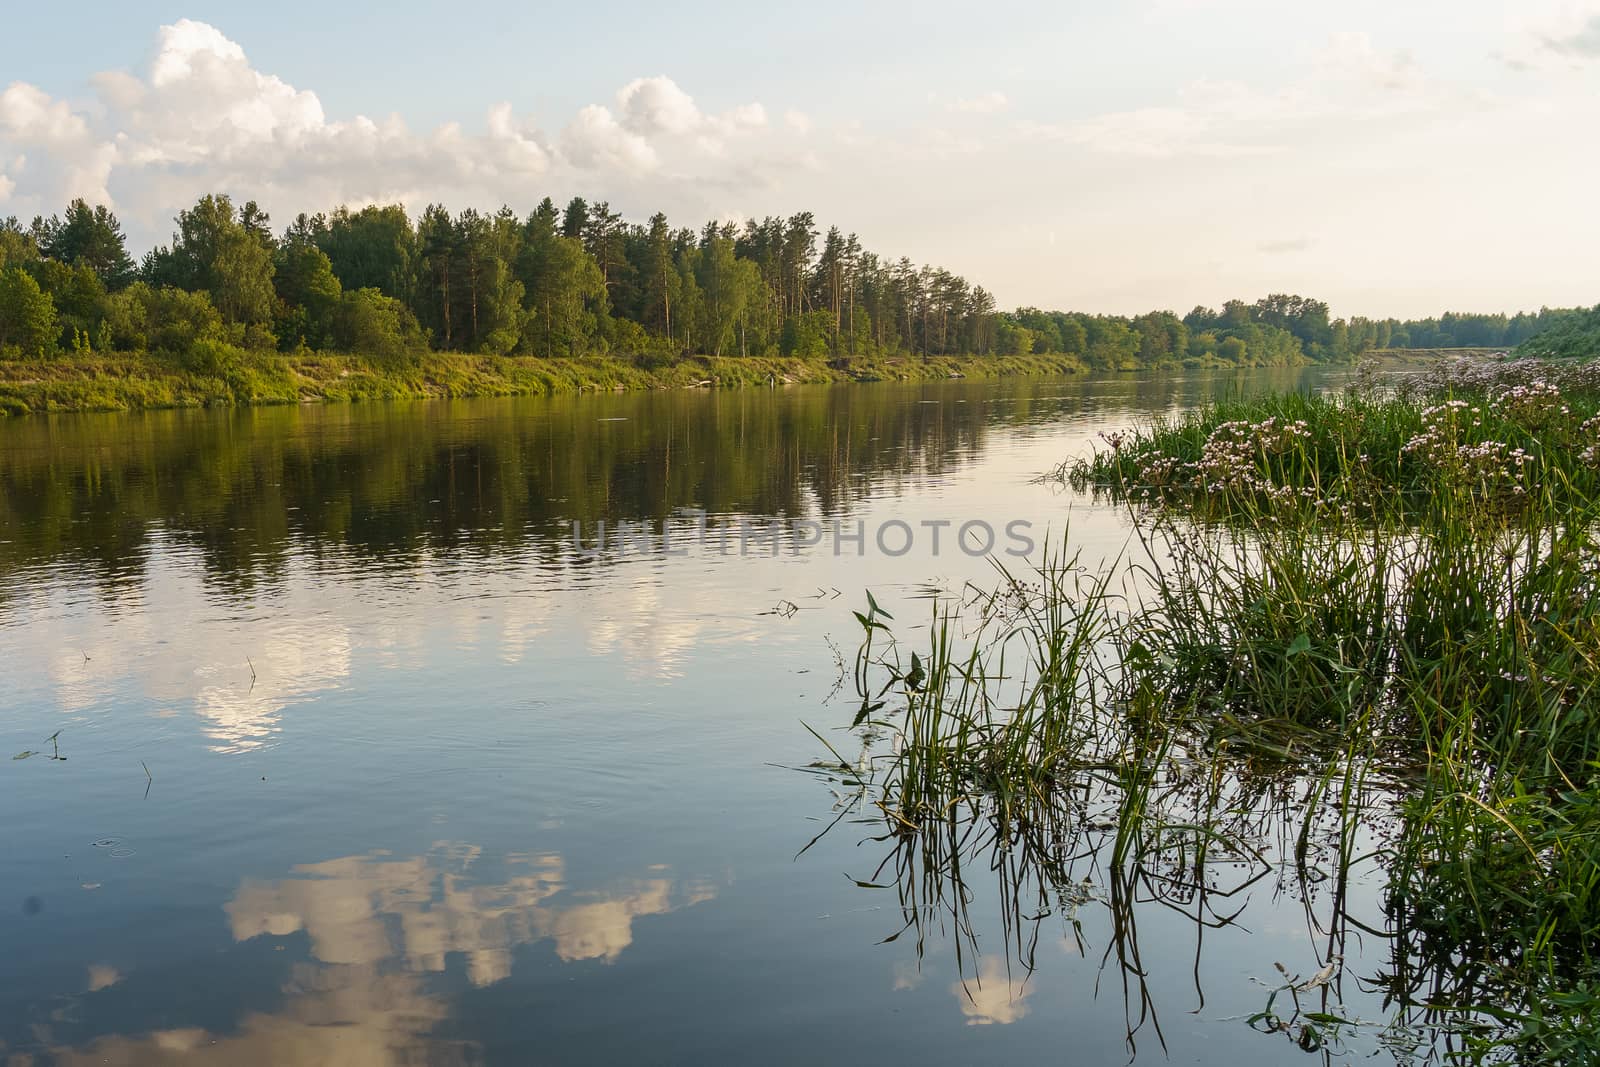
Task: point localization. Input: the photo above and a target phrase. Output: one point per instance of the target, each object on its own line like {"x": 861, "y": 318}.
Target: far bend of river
{"x": 429, "y": 782}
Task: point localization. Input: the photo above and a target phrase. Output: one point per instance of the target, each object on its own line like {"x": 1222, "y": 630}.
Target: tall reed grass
{"x": 1387, "y": 597}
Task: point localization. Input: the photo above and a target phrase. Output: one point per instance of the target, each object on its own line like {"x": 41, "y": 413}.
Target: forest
{"x": 582, "y": 281}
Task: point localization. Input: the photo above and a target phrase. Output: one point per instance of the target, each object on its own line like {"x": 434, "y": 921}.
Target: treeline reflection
{"x": 393, "y": 482}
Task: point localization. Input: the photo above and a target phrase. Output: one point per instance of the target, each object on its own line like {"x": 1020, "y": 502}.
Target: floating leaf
{"x": 25, "y": 755}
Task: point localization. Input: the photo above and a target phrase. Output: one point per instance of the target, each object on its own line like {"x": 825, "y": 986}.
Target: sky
{"x": 1392, "y": 158}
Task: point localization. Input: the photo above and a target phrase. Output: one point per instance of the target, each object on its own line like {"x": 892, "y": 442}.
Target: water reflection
{"x": 374, "y": 907}
{"x": 1160, "y": 853}
{"x": 343, "y": 1014}
{"x": 994, "y": 996}
{"x": 332, "y": 631}
{"x": 381, "y": 932}
{"x": 387, "y": 485}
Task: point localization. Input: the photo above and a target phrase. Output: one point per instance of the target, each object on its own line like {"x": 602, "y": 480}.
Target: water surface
{"x": 365, "y": 759}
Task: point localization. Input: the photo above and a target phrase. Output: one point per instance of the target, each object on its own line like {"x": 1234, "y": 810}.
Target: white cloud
{"x": 202, "y": 118}
{"x": 595, "y": 139}
{"x": 1543, "y": 37}
{"x": 1581, "y": 42}
{"x": 657, "y": 105}
{"x": 1359, "y": 138}
{"x": 1350, "y": 85}
{"x": 36, "y": 127}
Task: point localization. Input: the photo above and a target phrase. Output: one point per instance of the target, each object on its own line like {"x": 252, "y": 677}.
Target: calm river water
{"x": 365, "y": 759}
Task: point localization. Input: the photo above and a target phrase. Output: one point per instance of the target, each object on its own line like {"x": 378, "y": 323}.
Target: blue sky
{"x": 1391, "y": 158}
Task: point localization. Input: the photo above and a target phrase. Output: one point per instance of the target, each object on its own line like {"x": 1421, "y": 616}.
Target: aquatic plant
{"x": 1394, "y": 597}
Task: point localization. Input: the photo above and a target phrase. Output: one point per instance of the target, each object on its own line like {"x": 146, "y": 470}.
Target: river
{"x": 354, "y": 737}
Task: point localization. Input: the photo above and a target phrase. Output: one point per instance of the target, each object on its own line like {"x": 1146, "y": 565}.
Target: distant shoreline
{"x": 141, "y": 382}
{"x": 74, "y": 383}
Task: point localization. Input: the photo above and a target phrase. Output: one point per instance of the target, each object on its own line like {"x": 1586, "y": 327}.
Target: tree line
{"x": 581, "y": 280}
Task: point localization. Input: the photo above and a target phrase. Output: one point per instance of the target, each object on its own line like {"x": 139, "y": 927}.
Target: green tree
{"x": 564, "y": 289}
{"x": 729, "y": 285}
{"x": 662, "y": 285}
{"x": 374, "y": 248}
{"x": 309, "y": 291}
{"x": 575, "y": 220}
{"x": 215, "y": 252}
{"x": 173, "y": 320}
{"x": 79, "y": 297}
{"x": 439, "y": 242}
{"x": 27, "y": 314}
{"x": 93, "y": 238}
{"x": 377, "y": 326}
{"x": 17, "y": 246}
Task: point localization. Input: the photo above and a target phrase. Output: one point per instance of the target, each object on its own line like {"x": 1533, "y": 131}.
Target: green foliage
{"x": 374, "y": 248}
{"x": 78, "y": 294}
{"x": 27, "y": 314}
{"x": 1574, "y": 336}
{"x": 806, "y": 336}
{"x": 168, "y": 320}
{"x": 1369, "y": 620}
{"x": 216, "y": 252}
{"x": 113, "y": 378}
{"x": 212, "y": 358}
{"x": 309, "y": 294}
{"x": 584, "y": 281}
{"x": 565, "y": 289}
{"x": 18, "y": 247}
{"x": 91, "y": 238}
{"x": 379, "y": 326}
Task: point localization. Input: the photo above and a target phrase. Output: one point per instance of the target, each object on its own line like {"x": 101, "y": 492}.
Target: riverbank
{"x": 143, "y": 382}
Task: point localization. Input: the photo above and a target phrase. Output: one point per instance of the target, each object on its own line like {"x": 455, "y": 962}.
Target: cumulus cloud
{"x": 596, "y": 140}
{"x": 49, "y": 145}
{"x": 201, "y": 117}
{"x": 650, "y": 111}
{"x": 657, "y": 105}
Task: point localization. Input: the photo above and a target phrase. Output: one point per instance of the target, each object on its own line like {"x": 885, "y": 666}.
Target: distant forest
{"x": 579, "y": 281}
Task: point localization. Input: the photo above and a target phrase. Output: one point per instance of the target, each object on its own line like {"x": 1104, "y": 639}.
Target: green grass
{"x": 139, "y": 381}
{"x": 1494, "y": 432}
{"x": 1389, "y": 599}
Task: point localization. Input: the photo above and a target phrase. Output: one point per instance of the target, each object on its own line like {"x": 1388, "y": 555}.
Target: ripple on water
{"x": 114, "y": 847}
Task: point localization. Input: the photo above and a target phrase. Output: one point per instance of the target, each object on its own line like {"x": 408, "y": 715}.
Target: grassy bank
{"x": 1353, "y": 637}
{"x": 1510, "y": 432}
{"x": 133, "y": 382}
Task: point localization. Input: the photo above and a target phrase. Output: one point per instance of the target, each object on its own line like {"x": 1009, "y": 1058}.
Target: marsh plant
{"x": 1350, "y": 634}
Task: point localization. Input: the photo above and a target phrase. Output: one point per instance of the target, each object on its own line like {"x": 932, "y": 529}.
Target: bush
{"x": 27, "y": 314}
{"x": 377, "y": 326}
{"x": 213, "y": 358}
{"x": 170, "y": 320}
